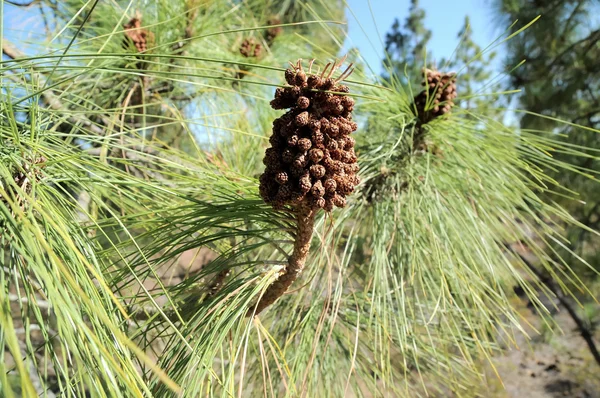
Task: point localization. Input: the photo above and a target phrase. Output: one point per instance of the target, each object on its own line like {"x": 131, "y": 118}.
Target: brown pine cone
{"x": 315, "y": 160}
{"x": 136, "y": 35}
{"x": 250, "y": 48}
{"x": 438, "y": 96}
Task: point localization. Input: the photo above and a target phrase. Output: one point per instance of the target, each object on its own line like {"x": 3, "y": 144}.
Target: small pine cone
{"x": 135, "y": 34}
{"x": 334, "y": 102}
{"x": 351, "y": 168}
{"x": 332, "y": 145}
{"x": 280, "y": 103}
{"x": 335, "y": 154}
{"x": 330, "y": 186}
{"x": 348, "y": 103}
{"x": 281, "y": 177}
{"x": 339, "y": 201}
{"x": 303, "y": 102}
{"x": 314, "y": 81}
{"x": 349, "y": 142}
{"x": 353, "y": 158}
{"x": 304, "y": 183}
{"x": 250, "y": 48}
{"x": 328, "y": 84}
{"x": 304, "y": 144}
{"x": 314, "y": 125}
{"x": 319, "y": 202}
{"x": 344, "y": 186}
{"x": 345, "y": 156}
{"x": 275, "y": 31}
{"x": 280, "y": 93}
{"x": 333, "y": 130}
{"x": 318, "y": 138}
{"x": 315, "y": 155}
{"x": 302, "y": 119}
{"x": 442, "y": 88}
{"x": 337, "y": 110}
{"x": 336, "y": 167}
{"x": 328, "y": 161}
{"x": 300, "y": 78}
{"x": 317, "y": 171}
{"x": 299, "y": 161}
{"x": 344, "y": 127}
{"x": 290, "y": 76}
{"x": 317, "y": 189}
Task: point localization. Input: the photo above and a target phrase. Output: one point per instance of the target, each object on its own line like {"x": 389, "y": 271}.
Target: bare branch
{"x": 14, "y": 3}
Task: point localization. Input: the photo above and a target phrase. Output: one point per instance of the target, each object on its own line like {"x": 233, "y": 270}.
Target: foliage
{"x": 560, "y": 79}
{"x": 474, "y": 69}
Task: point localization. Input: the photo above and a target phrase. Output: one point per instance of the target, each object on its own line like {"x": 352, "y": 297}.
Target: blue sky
{"x": 443, "y": 18}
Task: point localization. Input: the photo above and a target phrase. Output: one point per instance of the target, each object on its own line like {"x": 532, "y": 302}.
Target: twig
{"x": 25, "y": 300}
{"x": 305, "y": 218}
{"x": 14, "y": 3}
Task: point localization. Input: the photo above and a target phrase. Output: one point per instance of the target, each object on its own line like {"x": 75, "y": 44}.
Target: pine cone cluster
{"x": 134, "y": 32}
{"x": 440, "y": 91}
{"x": 311, "y": 161}
{"x": 273, "y": 32}
{"x": 250, "y": 48}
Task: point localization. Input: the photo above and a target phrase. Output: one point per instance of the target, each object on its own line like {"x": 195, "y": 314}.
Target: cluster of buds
{"x": 273, "y": 32}
{"x": 135, "y": 34}
{"x": 436, "y": 99}
{"x": 250, "y": 48}
{"x": 311, "y": 161}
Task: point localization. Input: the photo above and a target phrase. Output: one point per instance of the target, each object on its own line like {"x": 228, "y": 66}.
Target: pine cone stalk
{"x": 311, "y": 164}
{"x": 305, "y": 218}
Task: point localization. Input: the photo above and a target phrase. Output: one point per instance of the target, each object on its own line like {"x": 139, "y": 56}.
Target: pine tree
{"x": 136, "y": 242}
{"x": 561, "y": 79}
{"x": 474, "y": 68}
{"x": 406, "y": 46}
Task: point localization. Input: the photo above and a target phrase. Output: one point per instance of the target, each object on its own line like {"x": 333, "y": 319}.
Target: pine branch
{"x": 14, "y": 3}
{"x": 51, "y": 99}
{"x": 305, "y": 218}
